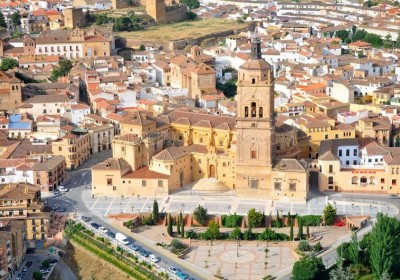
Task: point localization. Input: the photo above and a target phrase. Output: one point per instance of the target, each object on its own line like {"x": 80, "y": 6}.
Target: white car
{"x": 153, "y": 258}
{"x": 62, "y": 189}
{"x": 103, "y": 229}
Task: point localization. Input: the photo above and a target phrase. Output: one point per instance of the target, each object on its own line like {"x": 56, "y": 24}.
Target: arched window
{"x": 260, "y": 112}
{"x": 253, "y": 109}
{"x": 246, "y": 112}
{"x": 253, "y": 81}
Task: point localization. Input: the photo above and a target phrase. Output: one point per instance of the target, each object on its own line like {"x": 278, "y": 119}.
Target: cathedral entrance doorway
{"x": 212, "y": 171}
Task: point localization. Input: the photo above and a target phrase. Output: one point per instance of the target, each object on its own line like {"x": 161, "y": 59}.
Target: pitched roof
{"x": 170, "y": 153}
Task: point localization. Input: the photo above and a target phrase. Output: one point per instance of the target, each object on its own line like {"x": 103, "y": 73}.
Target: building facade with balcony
{"x": 22, "y": 202}
{"x": 358, "y": 165}
{"x": 74, "y": 146}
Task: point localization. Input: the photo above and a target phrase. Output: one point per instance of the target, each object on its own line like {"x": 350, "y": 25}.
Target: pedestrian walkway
{"x": 103, "y": 205}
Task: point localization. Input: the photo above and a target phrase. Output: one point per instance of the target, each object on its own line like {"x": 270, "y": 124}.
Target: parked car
{"x": 62, "y": 189}
{"x": 56, "y": 193}
{"x": 29, "y": 263}
{"x": 95, "y": 225}
{"x": 144, "y": 253}
{"x": 103, "y": 229}
{"x": 174, "y": 270}
{"x": 121, "y": 238}
{"x": 25, "y": 269}
{"x": 19, "y": 277}
{"x": 55, "y": 207}
{"x": 85, "y": 219}
{"x": 153, "y": 258}
{"x": 62, "y": 209}
{"x": 134, "y": 247}
{"x": 110, "y": 234}
{"x": 53, "y": 261}
{"x": 182, "y": 275}
{"x": 394, "y": 196}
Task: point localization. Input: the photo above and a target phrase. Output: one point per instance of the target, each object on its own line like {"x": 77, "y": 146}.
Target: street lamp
{"x": 237, "y": 246}
{"x": 182, "y": 207}
{"x": 229, "y": 209}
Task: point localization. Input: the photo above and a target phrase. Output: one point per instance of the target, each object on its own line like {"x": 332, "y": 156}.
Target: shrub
{"x": 231, "y": 221}
{"x": 329, "y": 215}
{"x": 46, "y": 263}
{"x": 269, "y": 235}
{"x": 311, "y": 220}
{"x": 177, "y": 245}
{"x": 190, "y": 234}
{"x": 255, "y": 218}
{"x": 303, "y": 246}
{"x": 100, "y": 238}
{"x": 148, "y": 221}
{"x": 200, "y": 214}
{"x": 248, "y": 235}
{"x": 318, "y": 247}
{"x": 236, "y": 234}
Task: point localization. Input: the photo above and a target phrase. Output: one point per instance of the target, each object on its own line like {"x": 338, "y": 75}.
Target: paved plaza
{"x": 246, "y": 261}
{"x": 102, "y": 206}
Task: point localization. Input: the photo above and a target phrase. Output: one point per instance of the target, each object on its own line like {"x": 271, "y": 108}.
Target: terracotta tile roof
{"x": 169, "y": 154}
{"x": 18, "y": 191}
{"x": 194, "y": 117}
{"x": 145, "y": 173}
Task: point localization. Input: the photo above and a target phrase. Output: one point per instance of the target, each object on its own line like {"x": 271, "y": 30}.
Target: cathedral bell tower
{"x": 255, "y": 124}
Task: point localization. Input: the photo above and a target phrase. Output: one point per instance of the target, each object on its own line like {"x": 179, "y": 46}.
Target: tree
{"x": 384, "y": 244}
{"x": 156, "y": 214}
{"x": 235, "y": 234}
{"x": 329, "y": 215}
{"x": 16, "y": 19}
{"x": 3, "y": 23}
{"x": 169, "y": 227}
{"x": 125, "y": 24}
{"x": 397, "y": 141}
{"x": 63, "y": 69}
{"x": 342, "y": 34}
{"x": 213, "y": 229}
{"x": 300, "y": 224}
{"x": 102, "y": 19}
{"x": 46, "y": 263}
{"x": 192, "y": 4}
{"x": 341, "y": 273}
{"x": 8, "y": 63}
{"x": 229, "y": 88}
{"x": 182, "y": 225}
{"x": 190, "y": 15}
{"x": 375, "y": 40}
{"x": 255, "y": 218}
{"x": 178, "y": 225}
{"x": 309, "y": 268}
{"x": 200, "y": 214}
{"x": 290, "y": 221}
{"x": 388, "y": 43}
{"x": 37, "y": 275}
{"x": 354, "y": 253}
{"x": 142, "y": 48}
{"x": 308, "y": 231}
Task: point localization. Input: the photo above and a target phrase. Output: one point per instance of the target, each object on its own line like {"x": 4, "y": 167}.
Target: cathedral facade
{"x": 188, "y": 148}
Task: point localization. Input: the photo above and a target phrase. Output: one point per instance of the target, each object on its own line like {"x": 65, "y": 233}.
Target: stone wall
{"x": 177, "y": 14}
{"x": 209, "y": 40}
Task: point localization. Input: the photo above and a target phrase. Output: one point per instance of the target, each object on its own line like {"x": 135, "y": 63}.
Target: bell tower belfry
{"x": 255, "y": 124}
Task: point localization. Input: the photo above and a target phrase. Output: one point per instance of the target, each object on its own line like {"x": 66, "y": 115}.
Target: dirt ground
{"x": 88, "y": 266}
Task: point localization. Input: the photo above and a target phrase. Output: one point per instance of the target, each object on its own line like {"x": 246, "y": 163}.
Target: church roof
{"x": 170, "y": 153}
{"x": 256, "y": 64}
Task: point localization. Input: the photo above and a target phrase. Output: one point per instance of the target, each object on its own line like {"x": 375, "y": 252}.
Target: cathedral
{"x": 208, "y": 153}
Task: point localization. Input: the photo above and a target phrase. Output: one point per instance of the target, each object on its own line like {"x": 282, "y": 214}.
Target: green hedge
{"x": 311, "y": 220}
{"x": 231, "y": 221}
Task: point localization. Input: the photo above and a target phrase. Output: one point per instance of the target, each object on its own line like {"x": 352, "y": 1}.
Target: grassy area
{"x": 119, "y": 259}
{"x": 182, "y": 30}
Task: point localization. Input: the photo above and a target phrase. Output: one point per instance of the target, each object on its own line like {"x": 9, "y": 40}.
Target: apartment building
{"x": 22, "y": 202}
{"x": 74, "y": 146}
{"x": 49, "y": 173}
{"x": 12, "y": 247}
